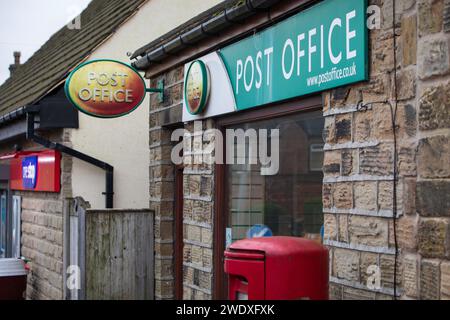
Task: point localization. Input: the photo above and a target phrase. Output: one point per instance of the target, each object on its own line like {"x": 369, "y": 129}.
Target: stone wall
{"x": 359, "y": 156}
{"x": 42, "y": 244}
{"x": 197, "y": 199}
{"x": 198, "y": 213}
{"x": 358, "y": 170}
{"x": 162, "y": 179}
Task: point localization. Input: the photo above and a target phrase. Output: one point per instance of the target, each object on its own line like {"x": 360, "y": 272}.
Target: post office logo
{"x": 197, "y": 87}
{"x": 29, "y": 172}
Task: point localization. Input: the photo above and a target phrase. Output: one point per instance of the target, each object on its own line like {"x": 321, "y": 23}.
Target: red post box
{"x": 13, "y": 279}
{"x": 277, "y": 268}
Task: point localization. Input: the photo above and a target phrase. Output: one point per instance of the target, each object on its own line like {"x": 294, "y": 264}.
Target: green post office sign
{"x": 323, "y": 47}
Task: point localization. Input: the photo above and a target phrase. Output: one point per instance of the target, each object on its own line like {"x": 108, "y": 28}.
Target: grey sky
{"x": 25, "y": 25}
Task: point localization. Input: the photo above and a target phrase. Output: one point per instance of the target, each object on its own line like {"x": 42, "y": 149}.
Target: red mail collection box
{"x": 13, "y": 279}
{"x": 277, "y": 268}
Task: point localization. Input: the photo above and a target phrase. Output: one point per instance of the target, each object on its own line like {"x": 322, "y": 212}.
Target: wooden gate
{"x": 114, "y": 251}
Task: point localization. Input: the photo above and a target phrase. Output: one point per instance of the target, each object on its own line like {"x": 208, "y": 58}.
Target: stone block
{"x": 335, "y": 291}
{"x": 330, "y": 227}
{"x": 187, "y": 253}
{"x": 332, "y": 163}
{"x": 205, "y": 280}
{"x": 434, "y": 157}
{"x": 430, "y": 16}
{"x": 172, "y": 95}
{"x": 434, "y": 108}
{"x": 409, "y": 196}
{"x": 411, "y": 275}
{"x": 445, "y": 280}
{"x": 346, "y": 264}
{"x": 429, "y": 280}
{"x": 433, "y": 198}
{"x": 163, "y": 249}
{"x": 371, "y": 231}
{"x": 207, "y": 258}
{"x": 387, "y": 263}
{"x": 174, "y": 75}
{"x": 197, "y": 255}
{"x": 447, "y": 16}
{"x": 367, "y": 259}
{"x": 206, "y": 186}
{"x": 187, "y": 293}
{"x": 163, "y": 268}
{"x": 163, "y": 230}
{"x": 327, "y": 196}
{"x": 163, "y": 288}
{"x": 407, "y": 158}
{"x": 363, "y": 126}
{"x": 343, "y": 228}
{"x": 381, "y": 296}
{"x": 343, "y": 195}
{"x": 343, "y": 128}
{"x": 406, "y": 233}
{"x": 434, "y": 237}
{"x": 193, "y": 233}
{"x": 365, "y": 195}
{"x": 344, "y": 96}
{"x": 433, "y": 58}
{"x": 406, "y": 84}
{"x": 207, "y": 236}
{"x": 409, "y": 40}
{"x": 202, "y": 212}
{"x": 376, "y": 160}
{"x": 349, "y": 163}
{"x": 357, "y": 294}
{"x": 382, "y": 52}
{"x": 330, "y": 130}
{"x": 193, "y": 185}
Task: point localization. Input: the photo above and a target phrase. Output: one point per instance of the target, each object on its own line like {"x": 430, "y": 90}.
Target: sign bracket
{"x": 159, "y": 89}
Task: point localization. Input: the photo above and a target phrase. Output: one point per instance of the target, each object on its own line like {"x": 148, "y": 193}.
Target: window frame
{"x": 4, "y": 224}
{"x": 276, "y": 110}
{"x": 16, "y": 223}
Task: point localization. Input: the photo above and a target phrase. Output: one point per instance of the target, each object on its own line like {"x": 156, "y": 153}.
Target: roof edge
{"x": 13, "y": 115}
{"x": 183, "y": 27}
{"x": 183, "y": 36}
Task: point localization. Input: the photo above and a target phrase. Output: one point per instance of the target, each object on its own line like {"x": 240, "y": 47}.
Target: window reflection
{"x": 290, "y": 202}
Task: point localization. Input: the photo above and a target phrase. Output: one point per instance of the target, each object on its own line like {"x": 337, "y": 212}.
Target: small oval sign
{"x": 105, "y": 88}
{"x": 196, "y": 87}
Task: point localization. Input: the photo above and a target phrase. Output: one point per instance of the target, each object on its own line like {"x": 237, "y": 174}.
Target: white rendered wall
{"x": 124, "y": 142}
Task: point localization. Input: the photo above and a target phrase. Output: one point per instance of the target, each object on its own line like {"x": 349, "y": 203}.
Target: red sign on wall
{"x": 36, "y": 171}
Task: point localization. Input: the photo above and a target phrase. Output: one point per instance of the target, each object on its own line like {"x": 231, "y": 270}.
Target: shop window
{"x": 10, "y": 229}
{"x": 288, "y": 203}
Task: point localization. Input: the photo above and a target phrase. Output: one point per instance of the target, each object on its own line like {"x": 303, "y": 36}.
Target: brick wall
{"x": 358, "y": 165}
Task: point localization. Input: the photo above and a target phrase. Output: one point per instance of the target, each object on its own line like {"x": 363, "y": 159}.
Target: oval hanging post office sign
{"x": 105, "y": 88}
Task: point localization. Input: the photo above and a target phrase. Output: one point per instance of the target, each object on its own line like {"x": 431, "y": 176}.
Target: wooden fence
{"x": 114, "y": 250}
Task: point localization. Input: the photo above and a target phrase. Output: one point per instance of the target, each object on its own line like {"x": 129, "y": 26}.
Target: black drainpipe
{"x": 109, "y": 170}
